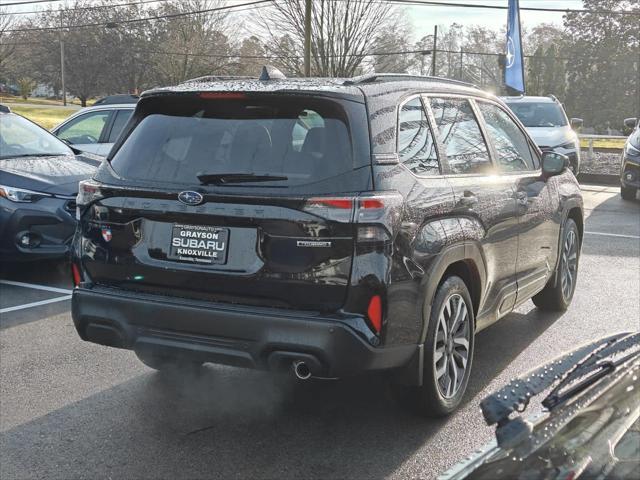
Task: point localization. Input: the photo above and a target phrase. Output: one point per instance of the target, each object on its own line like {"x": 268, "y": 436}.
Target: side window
{"x": 416, "y": 147}
{"x": 122, "y": 117}
{"x": 84, "y": 129}
{"x": 510, "y": 143}
{"x": 461, "y": 136}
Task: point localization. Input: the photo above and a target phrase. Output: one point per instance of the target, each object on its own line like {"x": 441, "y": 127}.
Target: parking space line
{"x": 635, "y": 237}
{"x": 34, "y": 286}
{"x": 35, "y": 304}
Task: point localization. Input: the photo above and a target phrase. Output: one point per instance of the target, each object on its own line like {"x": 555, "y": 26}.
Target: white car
{"x": 95, "y": 129}
{"x": 547, "y": 123}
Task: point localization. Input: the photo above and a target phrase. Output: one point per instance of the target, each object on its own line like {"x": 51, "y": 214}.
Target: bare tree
{"x": 193, "y": 45}
{"x": 7, "y": 46}
{"x": 342, "y": 33}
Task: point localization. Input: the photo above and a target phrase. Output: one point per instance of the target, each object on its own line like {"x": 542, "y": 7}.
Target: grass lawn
{"x": 45, "y": 117}
{"x": 39, "y": 101}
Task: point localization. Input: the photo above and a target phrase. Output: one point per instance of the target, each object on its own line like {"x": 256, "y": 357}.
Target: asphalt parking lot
{"x": 70, "y": 409}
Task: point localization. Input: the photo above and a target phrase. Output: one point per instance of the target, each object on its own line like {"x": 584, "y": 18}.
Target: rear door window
{"x": 509, "y": 141}
{"x": 461, "y": 136}
{"x": 85, "y": 129}
{"x": 416, "y": 147}
{"x": 122, "y": 117}
{"x": 307, "y": 140}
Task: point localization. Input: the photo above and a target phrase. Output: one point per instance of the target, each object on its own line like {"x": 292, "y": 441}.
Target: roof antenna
{"x": 269, "y": 72}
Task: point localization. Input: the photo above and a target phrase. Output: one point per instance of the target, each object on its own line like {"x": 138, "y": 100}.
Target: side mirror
{"x": 554, "y": 163}
{"x": 576, "y": 123}
{"x": 630, "y": 123}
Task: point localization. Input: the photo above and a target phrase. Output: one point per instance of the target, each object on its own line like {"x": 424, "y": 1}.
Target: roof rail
{"x": 553, "y": 97}
{"x": 399, "y": 77}
{"x": 216, "y": 78}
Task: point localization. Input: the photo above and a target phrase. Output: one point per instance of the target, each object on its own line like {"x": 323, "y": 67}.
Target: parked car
{"x": 547, "y": 123}
{"x": 117, "y": 100}
{"x": 590, "y": 427}
{"x": 39, "y": 178}
{"x": 324, "y": 226}
{"x": 95, "y": 129}
{"x": 630, "y": 165}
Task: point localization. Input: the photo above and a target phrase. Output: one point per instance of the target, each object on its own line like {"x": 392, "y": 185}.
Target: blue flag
{"x": 514, "y": 64}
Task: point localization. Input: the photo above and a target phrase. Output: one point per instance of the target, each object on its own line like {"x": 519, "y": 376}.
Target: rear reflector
{"x": 374, "y": 313}
{"x": 75, "y": 272}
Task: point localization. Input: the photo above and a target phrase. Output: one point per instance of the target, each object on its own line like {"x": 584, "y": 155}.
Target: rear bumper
{"x": 231, "y": 335}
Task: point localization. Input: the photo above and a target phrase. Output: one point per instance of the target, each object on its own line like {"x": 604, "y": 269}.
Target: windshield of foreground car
{"x": 248, "y": 142}
{"x": 21, "y": 138}
{"x": 539, "y": 114}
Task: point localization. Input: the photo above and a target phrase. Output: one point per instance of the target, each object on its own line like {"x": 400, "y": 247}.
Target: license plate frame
{"x": 199, "y": 244}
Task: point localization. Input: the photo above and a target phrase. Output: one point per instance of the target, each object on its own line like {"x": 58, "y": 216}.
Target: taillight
{"x": 88, "y": 192}
{"x": 75, "y": 273}
{"x": 374, "y": 313}
{"x": 375, "y": 213}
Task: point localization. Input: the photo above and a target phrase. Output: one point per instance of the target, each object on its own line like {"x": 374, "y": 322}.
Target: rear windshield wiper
{"x": 229, "y": 178}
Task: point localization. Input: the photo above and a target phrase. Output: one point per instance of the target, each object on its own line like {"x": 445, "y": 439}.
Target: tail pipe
{"x": 301, "y": 370}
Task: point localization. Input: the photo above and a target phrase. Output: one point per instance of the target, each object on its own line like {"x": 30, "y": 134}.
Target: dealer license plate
{"x": 199, "y": 244}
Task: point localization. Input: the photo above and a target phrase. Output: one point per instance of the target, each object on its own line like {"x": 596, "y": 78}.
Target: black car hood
{"x": 58, "y": 175}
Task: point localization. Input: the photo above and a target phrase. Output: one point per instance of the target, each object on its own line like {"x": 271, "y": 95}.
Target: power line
{"x": 92, "y": 7}
{"x": 28, "y": 3}
{"x": 144, "y": 19}
{"x": 502, "y": 7}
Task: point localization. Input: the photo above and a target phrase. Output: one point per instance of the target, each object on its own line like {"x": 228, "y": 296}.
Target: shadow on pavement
{"x": 226, "y": 422}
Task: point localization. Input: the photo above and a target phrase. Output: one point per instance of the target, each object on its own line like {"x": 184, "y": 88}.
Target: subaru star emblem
{"x": 190, "y": 198}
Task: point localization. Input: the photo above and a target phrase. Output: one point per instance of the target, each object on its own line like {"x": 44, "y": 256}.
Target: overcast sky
{"x": 424, "y": 17}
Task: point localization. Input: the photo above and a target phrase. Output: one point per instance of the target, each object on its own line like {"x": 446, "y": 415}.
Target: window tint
{"x": 84, "y": 129}
{"x": 122, "y": 117}
{"x": 416, "y": 147}
{"x": 510, "y": 143}
{"x": 306, "y": 140}
{"x": 461, "y": 136}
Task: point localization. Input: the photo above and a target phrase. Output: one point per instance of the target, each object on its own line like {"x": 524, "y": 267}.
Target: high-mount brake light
{"x": 222, "y": 95}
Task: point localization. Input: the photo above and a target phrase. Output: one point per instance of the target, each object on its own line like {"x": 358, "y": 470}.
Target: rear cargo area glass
{"x": 305, "y": 139}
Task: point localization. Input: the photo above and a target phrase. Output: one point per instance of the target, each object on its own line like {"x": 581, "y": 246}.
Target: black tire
{"x": 432, "y": 398}
{"x": 628, "y": 193}
{"x": 556, "y": 296}
{"x": 165, "y": 363}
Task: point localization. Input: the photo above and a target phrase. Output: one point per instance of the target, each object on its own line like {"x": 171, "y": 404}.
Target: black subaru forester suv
{"x": 327, "y": 226}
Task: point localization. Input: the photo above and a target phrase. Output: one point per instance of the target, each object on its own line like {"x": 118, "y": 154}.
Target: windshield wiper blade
{"x": 23, "y": 155}
{"x": 229, "y": 178}
{"x": 592, "y": 369}
{"x": 515, "y": 396}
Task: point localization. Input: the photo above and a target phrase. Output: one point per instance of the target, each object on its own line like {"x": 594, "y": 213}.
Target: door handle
{"x": 468, "y": 199}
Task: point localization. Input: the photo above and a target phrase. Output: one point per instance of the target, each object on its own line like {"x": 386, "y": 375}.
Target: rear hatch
{"x": 231, "y": 197}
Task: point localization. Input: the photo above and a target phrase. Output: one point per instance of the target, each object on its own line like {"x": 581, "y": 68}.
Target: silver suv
{"x": 547, "y": 123}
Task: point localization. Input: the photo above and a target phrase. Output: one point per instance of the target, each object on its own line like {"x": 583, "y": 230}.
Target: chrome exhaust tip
{"x": 301, "y": 370}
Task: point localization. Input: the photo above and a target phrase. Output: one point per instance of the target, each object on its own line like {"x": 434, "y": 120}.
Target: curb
{"x": 599, "y": 179}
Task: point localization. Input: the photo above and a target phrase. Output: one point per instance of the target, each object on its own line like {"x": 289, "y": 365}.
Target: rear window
{"x": 307, "y": 140}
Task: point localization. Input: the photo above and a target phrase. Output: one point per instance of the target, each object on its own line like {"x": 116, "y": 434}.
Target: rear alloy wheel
{"x": 628, "y": 193}
{"x": 448, "y": 349}
{"x": 558, "y": 293}
{"x": 165, "y": 363}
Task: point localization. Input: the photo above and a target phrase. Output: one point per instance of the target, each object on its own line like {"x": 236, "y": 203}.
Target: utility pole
{"x": 460, "y": 63}
{"x": 64, "y": 90}
{"x": 307, "y": 38}
{"x": 434, "y": 73}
